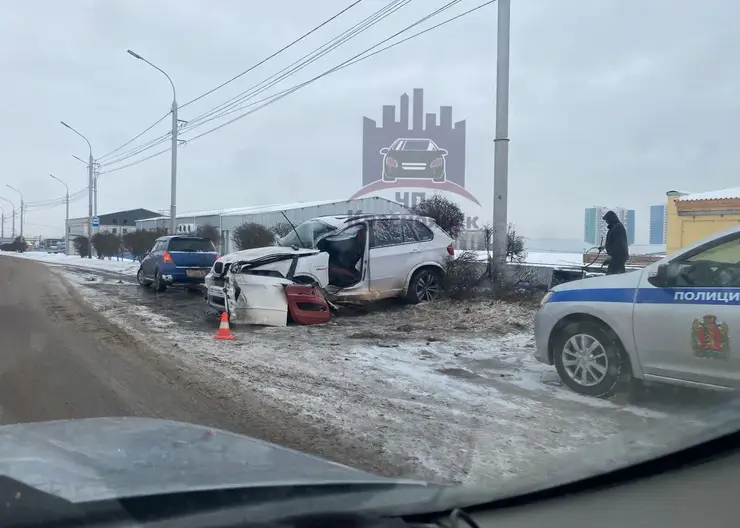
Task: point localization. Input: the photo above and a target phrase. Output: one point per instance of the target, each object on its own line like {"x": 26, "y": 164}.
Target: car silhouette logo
{"x": 414, "y": 158}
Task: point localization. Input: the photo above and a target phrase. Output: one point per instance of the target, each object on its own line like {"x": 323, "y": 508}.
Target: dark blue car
{"x": 177, "y": 260}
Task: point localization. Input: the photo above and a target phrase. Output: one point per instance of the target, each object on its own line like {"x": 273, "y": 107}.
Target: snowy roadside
{"x": 453, "y": 388}
{"x": 124, "y": 267}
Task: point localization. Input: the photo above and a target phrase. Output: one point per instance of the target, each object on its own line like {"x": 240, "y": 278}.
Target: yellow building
{"x": 692, "y": 216}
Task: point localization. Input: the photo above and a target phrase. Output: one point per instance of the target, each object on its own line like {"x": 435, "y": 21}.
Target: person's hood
{"x": 114, "y": 458}
{"x": 611, "y": 218}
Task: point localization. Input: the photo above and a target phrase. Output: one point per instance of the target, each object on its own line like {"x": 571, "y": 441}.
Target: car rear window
{"x": 191, "y": 244}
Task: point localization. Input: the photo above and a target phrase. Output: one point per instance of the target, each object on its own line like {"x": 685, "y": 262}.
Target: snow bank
{"x": 544, "y": 258}
{"x": 124, "y": 267}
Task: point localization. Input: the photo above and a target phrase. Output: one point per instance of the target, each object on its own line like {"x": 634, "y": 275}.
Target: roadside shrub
{"x": 140, "y": 241}
{"x": 515, "y": 251}
{"x": 446, "y": 213}
{"x": 252, "y": 235}
{"x": 463, "y": 274}
{"x": 210, "y": 232}
{"x": 82, "y": 246}
{"x": 106, "y": 244}
{"x": 281, "y": 229}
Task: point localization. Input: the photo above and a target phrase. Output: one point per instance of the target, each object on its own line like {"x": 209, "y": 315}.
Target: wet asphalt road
{"x": 59, "y": 359}
{"x": 185, "y": 307}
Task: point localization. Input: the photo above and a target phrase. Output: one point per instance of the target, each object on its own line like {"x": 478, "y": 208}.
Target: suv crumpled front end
{"x": 250, "y": 285}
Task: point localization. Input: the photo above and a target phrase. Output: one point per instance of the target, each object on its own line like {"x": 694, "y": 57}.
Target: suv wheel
{"x": 425, "y": 286}
{"x": 589, "y": 360}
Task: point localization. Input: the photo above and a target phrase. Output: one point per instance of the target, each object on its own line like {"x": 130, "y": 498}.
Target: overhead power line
{"x": 275, "y": 54}
{"x": 307, "y": 59}
{"x": 278, "y": 52}
{"x": 366, "y": 54}
{"x": 304, "y": 61}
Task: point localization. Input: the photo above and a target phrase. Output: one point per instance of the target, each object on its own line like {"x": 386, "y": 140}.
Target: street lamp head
{"x": 134, "y": 55}
{"x": 65, "y": 124}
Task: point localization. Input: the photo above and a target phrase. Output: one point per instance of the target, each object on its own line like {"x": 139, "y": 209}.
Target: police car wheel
{"x": 588, "y": 359}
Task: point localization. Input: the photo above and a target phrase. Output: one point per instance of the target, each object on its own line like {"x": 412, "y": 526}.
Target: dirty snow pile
{"x": 450, "y": 389}
{"x": 125, "y": 267}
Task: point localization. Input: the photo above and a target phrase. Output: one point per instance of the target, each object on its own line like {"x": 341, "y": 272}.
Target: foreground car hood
{"x": 114, "y": 458}
{"x": 248, "y": 255}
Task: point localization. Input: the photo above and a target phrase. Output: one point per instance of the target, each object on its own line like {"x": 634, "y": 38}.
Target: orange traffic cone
{"x": 223, "y": 328}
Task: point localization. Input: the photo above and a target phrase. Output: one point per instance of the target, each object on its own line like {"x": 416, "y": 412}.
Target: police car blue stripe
{"x": 705, "y": 296}
{"x": 614, "y": 295}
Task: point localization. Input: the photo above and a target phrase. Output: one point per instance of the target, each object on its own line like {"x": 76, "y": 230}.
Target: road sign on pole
{"x": 96, "y": 221}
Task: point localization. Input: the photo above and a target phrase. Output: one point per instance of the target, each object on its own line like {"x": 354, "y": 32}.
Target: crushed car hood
{"x": 114, "y": 458}
{"x": 248, "y": 255}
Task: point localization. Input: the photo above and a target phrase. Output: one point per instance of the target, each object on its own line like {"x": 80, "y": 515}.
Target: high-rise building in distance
{"x": 657, "y": 224}
{"x": 594, "y": 227}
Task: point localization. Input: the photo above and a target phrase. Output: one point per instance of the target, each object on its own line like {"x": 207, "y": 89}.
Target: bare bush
{"x": 140, "y": 241}
{"x": 106, "y": 244}
{"x": 252, "y": 235}
{"x": 281, "y": 229}
{"x": 446, "y": 213}
{"x": 462, "y": 275}
{"x": 210, "y": 232}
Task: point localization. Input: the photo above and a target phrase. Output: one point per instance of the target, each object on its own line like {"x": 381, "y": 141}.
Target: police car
{"x": 675, "y": 321}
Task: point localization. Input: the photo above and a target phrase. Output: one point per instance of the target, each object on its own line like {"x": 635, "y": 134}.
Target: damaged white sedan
{"x": 338, "y": 258}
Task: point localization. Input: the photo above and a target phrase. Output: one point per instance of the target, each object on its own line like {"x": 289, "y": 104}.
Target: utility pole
{"x": 175, "y": 123}
{"x": 90, "y": 187}
{"x": 501, "y": 140}
{"x": 66, "y": 216}
{"x": 95, "y": 189}
{"x": 12, "y": 230}
{"x": 21, "y": 195}
{"x": 173, "y": 170}
{"x": 2, "y": 223}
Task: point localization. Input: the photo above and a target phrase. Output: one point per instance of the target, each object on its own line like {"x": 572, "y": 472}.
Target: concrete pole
{"x": 91, "y": 186}
{"x": 501, "y": 140}
{"x": 66, "y": 215}
{"x": 173, "y": 172}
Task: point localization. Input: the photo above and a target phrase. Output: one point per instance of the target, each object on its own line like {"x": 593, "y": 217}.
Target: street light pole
{"x": 173, "y": 173}
{"x": 66, "y": 216}
{"x": 2, "y": 223}
{"x": 90, "y": 186}
{"x": 501, "y": 140}
{"x": 12, "y": 229}
{"x": 21, "y": 195}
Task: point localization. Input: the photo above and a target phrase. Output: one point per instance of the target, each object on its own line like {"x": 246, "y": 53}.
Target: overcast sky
{"x": 612, "y": 102}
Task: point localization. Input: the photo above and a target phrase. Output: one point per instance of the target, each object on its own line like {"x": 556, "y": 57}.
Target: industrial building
{"x": 693, "y": 216}
{"x": 226, "y": 220}
{"x": 119, "y": 222}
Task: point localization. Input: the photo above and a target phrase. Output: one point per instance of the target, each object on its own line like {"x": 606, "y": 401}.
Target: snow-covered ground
{"x": 451, "y": 388}
{"x": 541, "y": 258}
{"x": 125, "y": 267}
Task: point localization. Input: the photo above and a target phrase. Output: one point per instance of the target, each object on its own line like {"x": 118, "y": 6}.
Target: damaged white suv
{"x": 352, "y": 258}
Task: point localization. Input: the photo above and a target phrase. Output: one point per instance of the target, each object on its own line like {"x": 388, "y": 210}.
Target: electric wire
{"x": 281, "y": 50}
{"x": 349, "y": 62}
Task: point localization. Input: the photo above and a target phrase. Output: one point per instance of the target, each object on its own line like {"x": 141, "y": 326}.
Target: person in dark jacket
{"x": 616, "y": 244}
